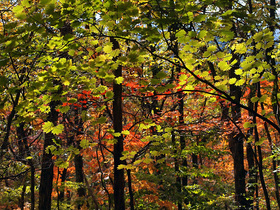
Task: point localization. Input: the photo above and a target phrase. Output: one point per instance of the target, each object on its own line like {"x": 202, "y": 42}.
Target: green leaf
{"x": 254, "y": 99}
{"x": 72, "y": 100}
{"x": 19, "y": 12}
{"x": 238, "y": 71}
{"x": 183, "y": 79}
{"x": 202, "y": 34}
{"x": 122, "y": 166}
{"x": 71, "y": 52}
{"x": 117, "y": 134}
{"x": 108, "y": 48}
{"x": 240, "y": 48}
{"x": 249, "y": 125}
{"x": 232, "y": 81}
{"x": 61, "y": 163}
{"x": 101, "y": 120}
{"x": 25, "y": 3}
{"x": 119, "y": 80}
{"x": 240, "y": 82}
{"x": 109, "y": 94}
{"x": 260, "y": 142}
{"x": 227, "y": 35}
{"x": 258, "y": 36}
{"x": 263, "y": 98}
{"x": 47, "y": 127}
{"x": 84, "y": 143}
{"x": 58, "y": 129}
{"x": 224, "y": 66}
{"x": 126, "y": 132}
{"x": 45, "y": 2}
{"x": 161, "y": 75}
{"x": 66, "y": 82}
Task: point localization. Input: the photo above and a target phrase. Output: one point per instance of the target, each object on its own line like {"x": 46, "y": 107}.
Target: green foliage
{"x": 49, "y": 127}
{"x": 171, "y": 52}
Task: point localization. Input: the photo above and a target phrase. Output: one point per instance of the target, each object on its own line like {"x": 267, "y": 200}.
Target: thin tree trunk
{"x": 252, "y": 181}
{"x": 260, "y": 162}
{"x": 182, "y": 138}
{"x": 78, "y": 160}
{"x": 252, "y": 174}
{"x": 21, "y": 200}
{"x": 32, "y": 186}
{"x": 63, "y": 179}
{"x": 24, "y": 151}
{"x": 267, "y": 199}
{"x": 275, "y": 100}
{"x": 236, "y": 146}
{"x": 79, "y": 164}
{"x": 131, "y": 202}
{"x": 119, "y": 182}
{"x": 5, "y": 144}
{"x": 46, "y": 182}
{"x": 176, "y": 167}
{"x": 274, "y": 167}
{"x": 236, "y": 139}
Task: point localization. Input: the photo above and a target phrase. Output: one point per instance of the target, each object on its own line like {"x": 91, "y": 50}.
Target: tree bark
{"x": 252, "y": 181}
{"x": 46, "y": 181}
{"x": 119, "y": 182}
{"x": 236, "y": 144}
{"x": 176, "y": 167}
{"x": 131, "y": 202}
{"x": 259, "y": 150}
{"x": 24, "y": 151}
{"x": 78, "y": 160}
{"x": 80, "y": 179}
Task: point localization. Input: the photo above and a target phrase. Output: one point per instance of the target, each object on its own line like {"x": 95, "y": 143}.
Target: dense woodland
{"x": 139, "y": 104}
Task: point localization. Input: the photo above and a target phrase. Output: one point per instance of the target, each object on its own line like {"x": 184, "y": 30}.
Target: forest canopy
{"x": 139, "y": 104}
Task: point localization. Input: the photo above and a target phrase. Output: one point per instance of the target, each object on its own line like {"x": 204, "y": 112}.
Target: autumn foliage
{"x": 139, "y": 105}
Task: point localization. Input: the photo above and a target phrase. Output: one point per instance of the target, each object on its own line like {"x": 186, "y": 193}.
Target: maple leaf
{"x": 58, "y": 129}
{"x": 47, "y": 127}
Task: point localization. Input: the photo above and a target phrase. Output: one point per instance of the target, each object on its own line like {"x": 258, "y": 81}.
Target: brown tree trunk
{"x": 236, "y": 145}
{"x": 46, "y": 181}
{"x": 259, "y": 150}
{"x": 119, "y": 182}
{"x": 252, "y": 181}
{"x": 131, "y": 202}
{"x": 78, "y": 160}
{"x": 275, "y": 99}
{"x": 176, "y": 167}
{"x": 24, "y": 151}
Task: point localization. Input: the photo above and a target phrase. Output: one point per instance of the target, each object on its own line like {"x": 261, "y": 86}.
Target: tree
{"x": 170, "y": 92}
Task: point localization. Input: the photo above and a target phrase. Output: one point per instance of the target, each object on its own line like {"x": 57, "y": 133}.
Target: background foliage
{"x": 140, "y": 104}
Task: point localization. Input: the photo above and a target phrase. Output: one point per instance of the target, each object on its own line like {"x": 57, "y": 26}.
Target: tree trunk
{"x": 252, "y": 181}
{"x": 46, "y": 181}
{"x": 63, "y": 179}
{"x": 80, "y": 179}
{"x": 131, "y": 202}
{"x": 259, "y": 150}
{"x": 236, "y": 148}
{"x": 236, "y": 144}
{"x": 119, "y": 182}
{"x": 78, "y": 160}
{"x": 176, "y": 167}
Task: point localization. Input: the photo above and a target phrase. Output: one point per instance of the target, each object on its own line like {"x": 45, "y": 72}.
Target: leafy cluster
{"x": 140, "y": 104}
